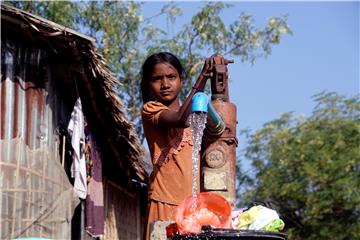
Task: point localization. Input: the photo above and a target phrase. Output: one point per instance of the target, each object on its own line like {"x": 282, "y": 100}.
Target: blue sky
{"x": 322, "y": 54}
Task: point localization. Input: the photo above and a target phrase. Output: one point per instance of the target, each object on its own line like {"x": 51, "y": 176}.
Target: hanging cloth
{"x": 78, "y": 167}
{"x": 94, "y": 208}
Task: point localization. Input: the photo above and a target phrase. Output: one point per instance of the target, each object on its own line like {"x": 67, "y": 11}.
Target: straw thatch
{"x": 102, "y": 106}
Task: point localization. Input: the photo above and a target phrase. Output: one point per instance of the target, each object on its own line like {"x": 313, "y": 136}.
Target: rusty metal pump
{"x": 218, "y": 171}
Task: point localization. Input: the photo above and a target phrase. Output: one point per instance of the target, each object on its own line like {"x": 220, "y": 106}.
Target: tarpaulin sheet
{"x": 36, "y": 196}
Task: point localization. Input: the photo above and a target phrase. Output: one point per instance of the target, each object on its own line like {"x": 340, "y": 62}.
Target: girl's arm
{"x": 178, "y": 118}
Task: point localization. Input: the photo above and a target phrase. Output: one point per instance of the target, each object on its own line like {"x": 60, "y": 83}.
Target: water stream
{"x": 197, "y": 121}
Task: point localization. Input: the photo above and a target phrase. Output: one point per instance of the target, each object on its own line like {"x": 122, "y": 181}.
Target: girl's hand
{"x": 206, "y": 72}
{"x": 208, "y": 65}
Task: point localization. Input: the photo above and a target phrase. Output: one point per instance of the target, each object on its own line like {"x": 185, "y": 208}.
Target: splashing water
{"x": 197, "y": 121}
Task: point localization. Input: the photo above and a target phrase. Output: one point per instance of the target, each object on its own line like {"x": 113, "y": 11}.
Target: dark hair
{"x": 148, "y": 66}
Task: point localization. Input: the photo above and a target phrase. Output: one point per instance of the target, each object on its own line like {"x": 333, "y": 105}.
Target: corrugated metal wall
{"x": 26, "y": 95}
{"x": 36, "y": 197}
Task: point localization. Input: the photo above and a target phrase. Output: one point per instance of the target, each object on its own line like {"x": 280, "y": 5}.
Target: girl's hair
{"x": 148, "y": 66}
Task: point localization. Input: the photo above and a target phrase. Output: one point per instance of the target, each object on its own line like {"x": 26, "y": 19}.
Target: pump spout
{"x": 215, "y": 126}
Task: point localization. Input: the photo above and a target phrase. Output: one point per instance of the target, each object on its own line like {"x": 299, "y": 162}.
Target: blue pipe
{"x": 200, "y": 103}
{"x": 215, "y": 124}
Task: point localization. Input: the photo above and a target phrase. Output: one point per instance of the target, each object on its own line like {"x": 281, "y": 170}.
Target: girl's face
{"x": 165, "y": 83}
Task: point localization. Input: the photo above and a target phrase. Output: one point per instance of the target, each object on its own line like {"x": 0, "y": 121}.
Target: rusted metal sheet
{"x": 23, "y": 95}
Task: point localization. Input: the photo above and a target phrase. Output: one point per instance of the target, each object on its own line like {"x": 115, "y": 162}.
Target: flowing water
{"x": 197, "y": 121}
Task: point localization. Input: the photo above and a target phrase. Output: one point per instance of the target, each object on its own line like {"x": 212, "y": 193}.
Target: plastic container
{"x": 205, "y": 208}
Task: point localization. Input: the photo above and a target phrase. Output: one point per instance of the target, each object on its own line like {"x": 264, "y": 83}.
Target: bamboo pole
{"x": 63, "y": 152}
{"x": 16, "y": 184}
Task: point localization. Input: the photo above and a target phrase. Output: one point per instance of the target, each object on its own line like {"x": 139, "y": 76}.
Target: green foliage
{"x": 61, "y": 12}
{"x": 310, "y": 169}
{"x": 125, "y": 38}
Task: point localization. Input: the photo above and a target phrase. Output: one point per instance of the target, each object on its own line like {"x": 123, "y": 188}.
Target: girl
{"x": 167, "y": 134}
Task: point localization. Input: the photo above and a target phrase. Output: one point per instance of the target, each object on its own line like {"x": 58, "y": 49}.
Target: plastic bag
{"x": 235, "y": 217}
{"x": 260, "y": 218}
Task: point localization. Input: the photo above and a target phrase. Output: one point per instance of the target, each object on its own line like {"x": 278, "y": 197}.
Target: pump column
{"x": 218, "y": 165}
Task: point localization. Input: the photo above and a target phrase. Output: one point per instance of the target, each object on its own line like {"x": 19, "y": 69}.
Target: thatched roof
{"x": 102, "y": 106}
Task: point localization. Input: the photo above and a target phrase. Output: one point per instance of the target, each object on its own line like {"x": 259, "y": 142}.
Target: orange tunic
{"x": 171, "y": 155}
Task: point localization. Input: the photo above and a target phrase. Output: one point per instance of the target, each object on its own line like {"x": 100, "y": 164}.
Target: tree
{"x": 61, "y": 12}
{"x": 125, "y": 38}
{"x": 310, "y": 169}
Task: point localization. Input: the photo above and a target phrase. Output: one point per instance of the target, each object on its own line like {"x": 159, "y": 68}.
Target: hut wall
{"x": 36, "y": 196}
{"x": 123, "y": 219}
